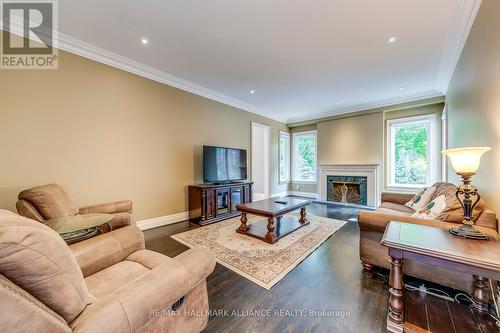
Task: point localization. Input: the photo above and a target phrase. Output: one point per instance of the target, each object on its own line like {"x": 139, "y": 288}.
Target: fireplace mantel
{"x": 370, "y": 171}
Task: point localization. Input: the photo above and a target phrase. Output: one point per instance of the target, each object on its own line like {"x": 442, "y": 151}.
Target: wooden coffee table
{"x": 277, "y": 225}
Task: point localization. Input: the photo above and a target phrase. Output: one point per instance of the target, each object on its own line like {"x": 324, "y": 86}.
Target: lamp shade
{"x": 465, "y": 160}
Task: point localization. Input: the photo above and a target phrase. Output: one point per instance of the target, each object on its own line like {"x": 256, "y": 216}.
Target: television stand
{"x": 209, "y": 203}
{"x": 225, "y": 183}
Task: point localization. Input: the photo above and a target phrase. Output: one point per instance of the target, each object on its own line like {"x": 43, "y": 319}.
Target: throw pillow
{"x": 454, "y": 211}
{"x": 421, "y": 199}
{"x": 432, "y": 209}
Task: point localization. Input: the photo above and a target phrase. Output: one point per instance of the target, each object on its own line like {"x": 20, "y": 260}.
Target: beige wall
{"x": 360, "y": 138}
{"x": 346, "y": 140}
{"x": 107, "y": 134}
{"x": 473, "y": 101}
{"x": 352, "y": 140}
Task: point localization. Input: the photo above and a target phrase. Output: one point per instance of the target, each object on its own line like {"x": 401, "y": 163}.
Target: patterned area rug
{"x": 260, "y": 262}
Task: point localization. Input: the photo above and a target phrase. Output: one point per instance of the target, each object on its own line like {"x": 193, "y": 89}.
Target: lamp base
{"x": 468, "y": 231}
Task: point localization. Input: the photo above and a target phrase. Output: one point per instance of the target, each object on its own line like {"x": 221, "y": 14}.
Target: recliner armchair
{"x": 48, "y": 202}
{"x": 108, "y": 283}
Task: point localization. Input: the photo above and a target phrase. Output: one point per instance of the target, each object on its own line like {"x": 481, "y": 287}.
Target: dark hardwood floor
{"x": 327, "y": 292}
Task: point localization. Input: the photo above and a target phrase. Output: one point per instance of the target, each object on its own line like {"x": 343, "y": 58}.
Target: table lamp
{"x": 465, "y": 162}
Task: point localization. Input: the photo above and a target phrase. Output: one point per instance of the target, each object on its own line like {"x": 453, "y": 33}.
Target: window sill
{"x": 406, "y": 188}
{"x": 305, "y": 182}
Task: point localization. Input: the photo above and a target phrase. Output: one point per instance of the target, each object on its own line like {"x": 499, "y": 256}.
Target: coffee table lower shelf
{"x": 282, "y": 227}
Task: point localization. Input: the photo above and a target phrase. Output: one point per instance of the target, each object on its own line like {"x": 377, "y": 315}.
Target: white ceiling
{"x": 304, "y": 59}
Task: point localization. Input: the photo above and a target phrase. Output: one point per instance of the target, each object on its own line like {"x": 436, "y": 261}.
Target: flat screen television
{"x": 224, "y": 165}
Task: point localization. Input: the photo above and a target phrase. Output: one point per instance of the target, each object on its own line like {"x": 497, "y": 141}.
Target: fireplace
{"x": 332, "y": 177}
{"x": 347, "y": 189}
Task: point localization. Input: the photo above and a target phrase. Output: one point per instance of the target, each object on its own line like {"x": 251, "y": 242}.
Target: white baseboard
{"x": 304, "y": 194}
{"x": 256, "y": 196}
{"x": 162, "y": 220}
{"x": 184, "y": 216}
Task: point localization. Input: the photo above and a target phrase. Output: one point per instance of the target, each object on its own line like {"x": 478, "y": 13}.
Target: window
{"x": 411, "y": 150}
{"x": 284, "y": 153}
{"x": 304, "y": 156}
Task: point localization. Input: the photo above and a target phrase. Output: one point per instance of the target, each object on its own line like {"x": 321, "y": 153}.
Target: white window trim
{"x": 431, "y": 153}
{"x": 294, "y": 154}
{"x": 444, "y": 143}
{"x": 285, "y": 135}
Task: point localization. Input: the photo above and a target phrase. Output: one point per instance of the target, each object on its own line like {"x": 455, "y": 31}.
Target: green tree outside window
{"x": 410, "y": 148}
{"x": 306, "y": 157}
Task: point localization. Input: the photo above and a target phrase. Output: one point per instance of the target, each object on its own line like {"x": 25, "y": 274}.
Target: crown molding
{"x": 451, "y": 53}
{"x": 73, "y": 45}
{"x": 294, "y": 121}
{"x": 86, "y": 50}
{"x": 454, "y": 45}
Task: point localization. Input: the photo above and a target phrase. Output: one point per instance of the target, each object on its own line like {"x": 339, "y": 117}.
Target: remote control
{"x": 281, "y": 202}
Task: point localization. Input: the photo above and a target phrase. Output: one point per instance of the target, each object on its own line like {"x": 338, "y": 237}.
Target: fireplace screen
{"x": 347, "y": 189}
{"x": 345, "y": 193}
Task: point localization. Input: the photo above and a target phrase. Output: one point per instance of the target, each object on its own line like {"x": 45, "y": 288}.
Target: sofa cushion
{"x": 113, "y": 278}
{"x": 36, "y": 259}
{"x": 97, "y": 253}
{"x": 51, "y": 200}
{"x": 454, "y": 211}
{"x": 421, "y": 199}
{"x": 396, "y": 207}
{"x": 385, "y": 211}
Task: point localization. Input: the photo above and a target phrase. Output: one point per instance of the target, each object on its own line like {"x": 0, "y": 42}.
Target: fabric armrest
{"x": 375, "y": 221}
{"x": 131, "y": 307}
{"x": 97, "y": 253}
{"x": 199, "y": 262}
{"x": 108, "y": 208}
{"x": 488, "y": 219}
{"x": 397, "y": 198}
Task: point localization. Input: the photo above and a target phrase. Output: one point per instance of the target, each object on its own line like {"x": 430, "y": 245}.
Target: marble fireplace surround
{"x": 370, "y": 171}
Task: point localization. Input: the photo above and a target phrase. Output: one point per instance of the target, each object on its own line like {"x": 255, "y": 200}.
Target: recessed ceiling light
{"x": 338, "y": 103}
{"x": 401, "y": 88}
{"x": 144, "y": 41}
{"x": 392, "y": 40}
{"x": 252, "y": 91}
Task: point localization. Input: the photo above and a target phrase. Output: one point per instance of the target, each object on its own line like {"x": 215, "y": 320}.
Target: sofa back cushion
{"x": 26, "y": 209}
{"x": 51, "y": 200}
{"x": 21, "y": 312}
{"x": 35, "y": 258}
{"x": 453, "y": 211}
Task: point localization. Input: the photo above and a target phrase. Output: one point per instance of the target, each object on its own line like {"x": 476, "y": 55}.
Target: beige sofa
{"x": 49, "y": 202}
{"x": 372, "y": 225}
{"x": 108, "y": 283}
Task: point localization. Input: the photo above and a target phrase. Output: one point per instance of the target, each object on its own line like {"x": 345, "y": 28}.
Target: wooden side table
{"x": 438, "y": 247}
{"x": 76, "y": 228}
